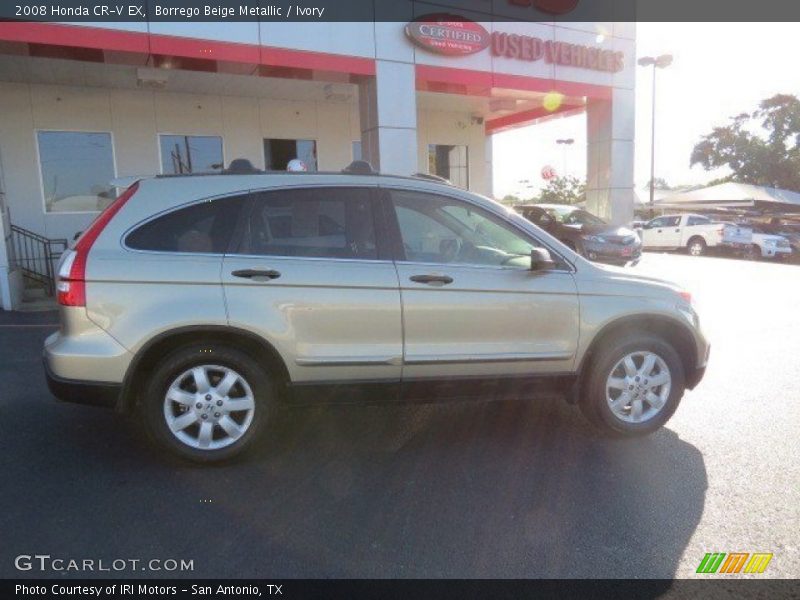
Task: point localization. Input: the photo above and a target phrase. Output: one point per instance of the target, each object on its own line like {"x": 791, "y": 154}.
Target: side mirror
{"x": 541, "y": 260}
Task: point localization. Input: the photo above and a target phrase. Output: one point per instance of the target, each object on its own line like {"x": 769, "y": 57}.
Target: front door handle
{"x": 430, "y": 279}
{"x": 250, "y": 273}
{"x": 677, "y": 231}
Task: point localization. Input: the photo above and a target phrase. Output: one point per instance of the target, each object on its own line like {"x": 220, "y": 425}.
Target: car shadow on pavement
{"x": 504, "y": 489}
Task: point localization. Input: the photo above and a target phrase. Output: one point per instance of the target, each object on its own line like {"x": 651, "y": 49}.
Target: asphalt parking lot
{"x": 511, "y": 489}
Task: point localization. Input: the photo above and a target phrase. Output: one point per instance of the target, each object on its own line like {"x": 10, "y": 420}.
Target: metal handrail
{"x": 36, "y": 256}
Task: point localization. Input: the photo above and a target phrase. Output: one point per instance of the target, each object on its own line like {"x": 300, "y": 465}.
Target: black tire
{"x": 753, "y": 252}
{"x": 593, "y": 403}
{"x": 177, "y": 362}
{"x": 696, "y": 246}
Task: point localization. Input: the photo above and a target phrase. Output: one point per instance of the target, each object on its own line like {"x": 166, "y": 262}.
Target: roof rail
{"x": 359, "y": 167}
{"x": 432, "y": 177}
{"x": 241, "y": 166}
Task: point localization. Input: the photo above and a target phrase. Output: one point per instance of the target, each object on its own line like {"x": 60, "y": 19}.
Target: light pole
{"x": 565, "y": 142}
{"x": 657, "y": 62}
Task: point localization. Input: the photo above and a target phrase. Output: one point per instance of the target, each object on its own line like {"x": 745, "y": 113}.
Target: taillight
{"x": 686, "y": 296}
{"x": 72, "y": 273}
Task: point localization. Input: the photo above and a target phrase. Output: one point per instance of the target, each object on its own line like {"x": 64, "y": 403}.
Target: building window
{"x": 357, "y": 150}
{"x": 191, "y": 154}
{"x": 450, "y": 162}
{"x": 278, "y": 153}
{"x": 77, "y": 168}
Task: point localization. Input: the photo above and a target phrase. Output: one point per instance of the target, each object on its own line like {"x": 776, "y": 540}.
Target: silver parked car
{"x": 203, "y": 303}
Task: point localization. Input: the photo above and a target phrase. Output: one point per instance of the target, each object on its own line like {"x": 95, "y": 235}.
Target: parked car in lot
{"x": 765, "y": 245}
{"x": 585, "y": 233}
{"x": 787, "y": 229}
{"x": 692, "y": 232}
{"x": 204, "y": 303}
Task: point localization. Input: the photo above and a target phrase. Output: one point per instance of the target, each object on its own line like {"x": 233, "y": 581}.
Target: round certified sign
{"x": 448, "y": 34}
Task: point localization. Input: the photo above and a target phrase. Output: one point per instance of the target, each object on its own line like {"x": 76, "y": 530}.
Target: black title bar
{"x": 232, "y": 11}
{"x": 401, "y": 589}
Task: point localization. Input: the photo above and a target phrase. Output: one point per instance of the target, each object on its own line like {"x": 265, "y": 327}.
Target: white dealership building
{"x": 83, "y": 104}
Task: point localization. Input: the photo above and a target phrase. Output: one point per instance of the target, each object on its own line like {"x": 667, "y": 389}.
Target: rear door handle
{"x": 442, "y": 279}
{"x": 250, "y": 273}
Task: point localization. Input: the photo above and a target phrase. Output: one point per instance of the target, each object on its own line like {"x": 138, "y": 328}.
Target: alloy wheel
{"x": 209, "y": 407}
{"x": 638, "y": 387}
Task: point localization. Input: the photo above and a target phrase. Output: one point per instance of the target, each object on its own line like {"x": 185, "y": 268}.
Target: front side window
{"x": 77, "y": 169}
{"x": 313, "y": 223}
{"x": 206, "y": 228}
{"x": 278, "y": 153}
{"x": 450, "y": 162}
{"x": 182, "y": 154}
{"x": 436, "y": 229}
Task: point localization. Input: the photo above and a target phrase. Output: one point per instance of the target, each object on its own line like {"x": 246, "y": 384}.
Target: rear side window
{"x": 206, "y": 227}
{"x": 314, "y": 222}
{"x": 698, "y": 221}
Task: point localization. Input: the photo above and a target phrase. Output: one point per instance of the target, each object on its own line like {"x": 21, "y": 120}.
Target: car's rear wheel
{"x": 207, "y": 403}
{"x": 633, "y": 385}
{"x": 697, "y": 246}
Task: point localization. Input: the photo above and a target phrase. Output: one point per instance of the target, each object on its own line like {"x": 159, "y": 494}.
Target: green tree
{"x": 563, "y": 190}
{"x": 761, "y": 148}
{"x": 660, "y": 184}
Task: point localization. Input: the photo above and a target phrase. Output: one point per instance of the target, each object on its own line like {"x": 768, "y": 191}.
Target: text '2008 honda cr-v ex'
{"x": 203, "y": 303}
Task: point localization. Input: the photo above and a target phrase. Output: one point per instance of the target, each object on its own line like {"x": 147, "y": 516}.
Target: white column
{"x": 388, "y": 113}
{"x": 487, "y": 158}
{"x": 10, "y": 277}
{"x": 610, "y": 147}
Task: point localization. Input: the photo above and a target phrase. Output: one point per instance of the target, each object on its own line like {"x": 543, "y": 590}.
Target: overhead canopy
{"x": 733, "y": 195}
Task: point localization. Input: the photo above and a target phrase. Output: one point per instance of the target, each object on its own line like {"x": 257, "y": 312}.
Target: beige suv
{"x": 204, "y": 302}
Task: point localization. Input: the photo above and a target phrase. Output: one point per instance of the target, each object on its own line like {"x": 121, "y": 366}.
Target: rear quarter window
{"x": 206, "y": 227}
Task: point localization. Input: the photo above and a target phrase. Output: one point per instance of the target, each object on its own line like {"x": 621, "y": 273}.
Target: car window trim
{"x": 399, "y": 251}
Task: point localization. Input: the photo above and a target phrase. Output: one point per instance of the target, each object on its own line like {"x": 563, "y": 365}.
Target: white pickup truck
{"x": 696, "y": 233}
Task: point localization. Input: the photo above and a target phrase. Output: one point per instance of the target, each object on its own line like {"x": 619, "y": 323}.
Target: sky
{"x": 719, "y": 70}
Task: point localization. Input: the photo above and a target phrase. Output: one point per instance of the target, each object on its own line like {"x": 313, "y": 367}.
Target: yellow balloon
{"x": 552, "y": 101}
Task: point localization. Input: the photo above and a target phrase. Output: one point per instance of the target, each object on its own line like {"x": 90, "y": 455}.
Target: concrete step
{"x": 38, "y": 304}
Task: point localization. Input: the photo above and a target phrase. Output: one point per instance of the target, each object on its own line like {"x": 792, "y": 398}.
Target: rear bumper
{"x": 94, "y": 393}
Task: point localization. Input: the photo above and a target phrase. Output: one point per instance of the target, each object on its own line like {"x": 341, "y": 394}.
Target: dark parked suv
{"x": 585, "y": 233}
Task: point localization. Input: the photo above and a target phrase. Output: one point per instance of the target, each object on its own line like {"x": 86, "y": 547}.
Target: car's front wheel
{"x": 633, "y": 385}
{"x": 207, "y": 403}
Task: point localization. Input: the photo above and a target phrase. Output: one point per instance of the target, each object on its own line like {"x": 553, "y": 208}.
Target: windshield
{"x": 573, "y": 216}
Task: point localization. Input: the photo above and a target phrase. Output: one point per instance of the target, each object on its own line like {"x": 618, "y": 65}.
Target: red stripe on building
{"x": 75, "y": 36}
{"x": 478, "y": 82}
{"x": 56, "y": 34}
{"x": 529, "y": 117}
